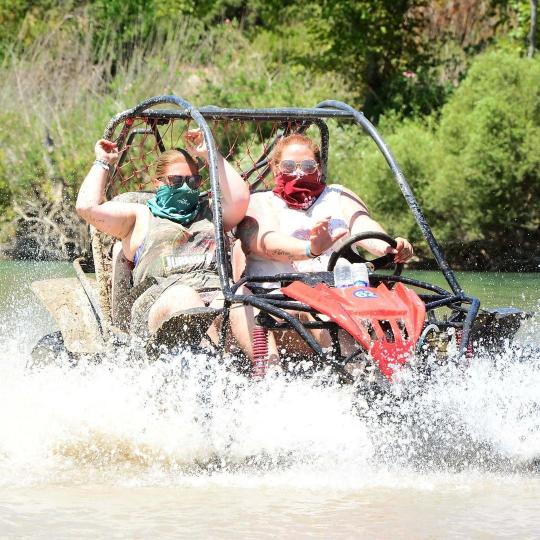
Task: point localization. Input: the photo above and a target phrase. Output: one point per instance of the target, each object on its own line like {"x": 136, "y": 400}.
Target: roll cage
{"x": 275, "y": 308}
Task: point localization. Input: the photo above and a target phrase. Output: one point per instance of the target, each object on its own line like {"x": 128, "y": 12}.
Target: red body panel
{"x": 360, "y": 311}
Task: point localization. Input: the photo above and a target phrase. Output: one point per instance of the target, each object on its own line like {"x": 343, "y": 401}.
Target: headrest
{"x": 140, "y": 197}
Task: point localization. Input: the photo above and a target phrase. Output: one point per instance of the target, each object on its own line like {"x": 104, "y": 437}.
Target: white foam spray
{"x": 191, "y": 419}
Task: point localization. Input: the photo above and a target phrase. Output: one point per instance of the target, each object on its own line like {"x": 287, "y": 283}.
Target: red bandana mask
{"x": 299, "y": 192}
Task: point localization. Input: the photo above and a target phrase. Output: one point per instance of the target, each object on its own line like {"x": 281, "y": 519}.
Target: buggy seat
{"x": 114, "y": 272}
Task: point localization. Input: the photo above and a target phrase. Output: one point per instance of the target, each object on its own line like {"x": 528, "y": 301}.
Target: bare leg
{"x": 174, "y": 299}
{"x": 242, "y": 324}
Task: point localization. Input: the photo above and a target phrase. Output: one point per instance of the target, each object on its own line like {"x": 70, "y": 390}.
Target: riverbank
{"x": 473, "y": 256}
{"x": 485, "y": 256}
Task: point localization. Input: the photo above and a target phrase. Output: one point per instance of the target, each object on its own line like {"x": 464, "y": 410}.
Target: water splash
{"x": 190, "y": 419}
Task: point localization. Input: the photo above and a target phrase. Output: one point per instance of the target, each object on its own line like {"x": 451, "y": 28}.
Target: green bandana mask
{"x": 179, "y": 204}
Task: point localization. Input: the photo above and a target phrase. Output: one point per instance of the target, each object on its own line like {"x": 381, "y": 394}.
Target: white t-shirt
{"x": 298, "y": 223}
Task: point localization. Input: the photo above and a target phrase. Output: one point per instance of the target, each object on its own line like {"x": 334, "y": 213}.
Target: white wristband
{"x": 103, "y": 164}
{"x": 308, "y": 251}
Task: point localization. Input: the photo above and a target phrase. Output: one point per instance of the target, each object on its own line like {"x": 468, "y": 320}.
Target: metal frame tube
{"x": 405, "y": 189}
{"x": 324, "y": 110}
{"x": 190, "y": 112}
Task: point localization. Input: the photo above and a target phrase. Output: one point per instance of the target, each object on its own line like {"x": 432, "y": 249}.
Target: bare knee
{"x": 174, "y": 299}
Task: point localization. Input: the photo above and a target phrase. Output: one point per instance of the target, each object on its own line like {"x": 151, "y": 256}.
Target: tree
{"x": 372, "y": 43}
{"x": 488, "y": 182}
{"x": 532, "y": 32}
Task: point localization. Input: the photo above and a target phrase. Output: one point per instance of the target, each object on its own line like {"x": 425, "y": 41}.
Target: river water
{"x": 188, "y": 450}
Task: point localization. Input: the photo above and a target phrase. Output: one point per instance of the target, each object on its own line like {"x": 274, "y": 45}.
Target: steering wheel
{"x": 348, "y": 253}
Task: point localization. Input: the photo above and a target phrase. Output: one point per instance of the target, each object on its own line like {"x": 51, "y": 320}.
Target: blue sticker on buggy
{"x": 364, "y": 293}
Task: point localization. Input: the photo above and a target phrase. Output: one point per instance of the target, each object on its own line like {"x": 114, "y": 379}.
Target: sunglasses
{"x": 193, "y": 181}
{"x": 307, "y": 166}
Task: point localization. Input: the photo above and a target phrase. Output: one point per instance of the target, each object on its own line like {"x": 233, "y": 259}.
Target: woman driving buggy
{"x": 295, "y": 228}
{"x": 170, "y": 239}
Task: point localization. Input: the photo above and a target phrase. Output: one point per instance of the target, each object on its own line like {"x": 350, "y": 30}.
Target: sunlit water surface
{"x": 189, "y": 449}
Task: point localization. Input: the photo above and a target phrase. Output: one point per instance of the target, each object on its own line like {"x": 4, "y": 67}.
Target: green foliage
{"x": 490, "y": 132}
{"x": 374, "y": 43}
{"x": 24, "y": 20}
{"x": 473, "y": 163}
{"x": 383, "y": 50}
{"x": 57, "y": 93}
{"x": 477, "y": 171}
{"x": 357, "y": 163}
{"x": 124, "y": 23}
{"x": 520, "y": 11}
{"x": 5, "y": 193}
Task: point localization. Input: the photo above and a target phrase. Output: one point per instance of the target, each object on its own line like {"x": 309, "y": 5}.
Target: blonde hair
{"x": 169, "y": 157}
{"x": 295, "y": 138}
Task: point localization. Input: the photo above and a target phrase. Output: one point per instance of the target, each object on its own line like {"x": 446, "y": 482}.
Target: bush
{"x": 57, "y": 100}
{"x": 490, "y": 133}
{"x": 476, "y": 172}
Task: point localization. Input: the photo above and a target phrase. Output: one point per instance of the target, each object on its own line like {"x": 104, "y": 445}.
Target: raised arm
{"x": 356, "y": 214}
{"x": 234, "y": 191}
{"x": 114, "y": 218}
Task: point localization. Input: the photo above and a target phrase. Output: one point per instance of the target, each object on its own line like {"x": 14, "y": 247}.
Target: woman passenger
{"x": 297, "y": 226}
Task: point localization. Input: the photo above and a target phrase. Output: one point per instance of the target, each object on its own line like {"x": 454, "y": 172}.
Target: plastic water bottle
{"x": 343, "y": 273}
{"x": 360, "y": 275}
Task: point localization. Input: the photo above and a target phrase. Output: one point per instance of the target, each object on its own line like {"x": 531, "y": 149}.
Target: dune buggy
{"x": 395, "y": 319}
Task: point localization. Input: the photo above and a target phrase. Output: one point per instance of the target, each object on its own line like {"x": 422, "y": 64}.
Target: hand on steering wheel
{"x": 347, "y": 252}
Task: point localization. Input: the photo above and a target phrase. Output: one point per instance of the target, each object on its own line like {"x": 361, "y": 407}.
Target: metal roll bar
{"x": 325, "y": 110}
